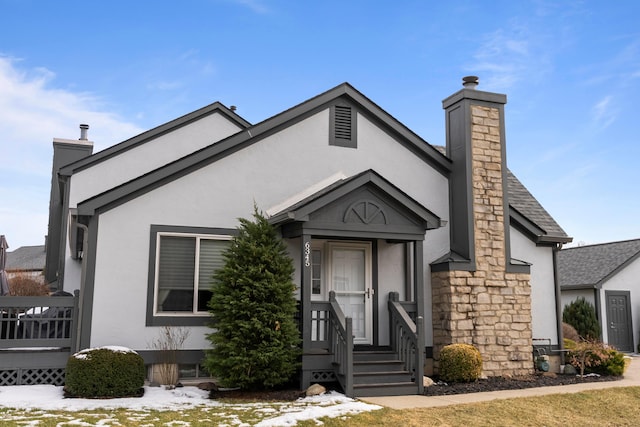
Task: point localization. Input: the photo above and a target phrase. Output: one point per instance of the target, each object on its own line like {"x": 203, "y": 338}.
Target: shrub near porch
{"x": 255, "y": 342}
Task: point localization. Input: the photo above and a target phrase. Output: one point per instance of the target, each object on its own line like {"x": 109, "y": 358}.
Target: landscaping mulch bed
{"x": 438, "y": 389}
{"x": 513, "y": 383}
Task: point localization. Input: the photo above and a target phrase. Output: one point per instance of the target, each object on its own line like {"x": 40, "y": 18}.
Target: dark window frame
{"x": 175, "y": 319}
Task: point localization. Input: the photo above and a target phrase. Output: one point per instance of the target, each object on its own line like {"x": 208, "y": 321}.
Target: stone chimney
{"x": 479, "y": 297}
{"x": 65, "y": 152}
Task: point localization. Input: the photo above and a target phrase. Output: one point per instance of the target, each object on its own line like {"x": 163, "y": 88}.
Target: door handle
{"x": 369, "y": 292}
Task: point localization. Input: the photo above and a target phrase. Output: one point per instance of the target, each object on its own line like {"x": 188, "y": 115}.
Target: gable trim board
{"x": 151, "y": 134}
{"x": 253, "y": 134}
{"x": 296, "y": 219}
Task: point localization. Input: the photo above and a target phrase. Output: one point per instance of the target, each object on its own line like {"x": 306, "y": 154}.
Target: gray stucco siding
{"x": 266, "y": 173}
{"x": 151, "y": 155}
{"x": 543, "y": 306}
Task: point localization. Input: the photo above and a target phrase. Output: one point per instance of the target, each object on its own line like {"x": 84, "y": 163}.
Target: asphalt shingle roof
{"x": 589, "y": 266}
{"x": 528, "y": 206}
{"x": 26, "y": 258}
{"x": 523, "y": 201}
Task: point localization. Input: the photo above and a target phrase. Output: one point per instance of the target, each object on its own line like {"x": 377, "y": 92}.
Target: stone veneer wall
{"x": 488, "y": 308}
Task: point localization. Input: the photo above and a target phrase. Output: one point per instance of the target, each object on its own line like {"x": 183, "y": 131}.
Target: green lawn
{"x": 609, "y": 407}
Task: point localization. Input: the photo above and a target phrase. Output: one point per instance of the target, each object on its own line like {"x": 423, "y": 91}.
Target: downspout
{"x": 83, "y": 275}
{"x": 598, "y": 306}
{"x": 556, "y": 283}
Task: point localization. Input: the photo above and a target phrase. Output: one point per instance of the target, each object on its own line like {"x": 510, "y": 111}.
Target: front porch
{"x": 330, "y": 353}
{"x": 360, "y": 247}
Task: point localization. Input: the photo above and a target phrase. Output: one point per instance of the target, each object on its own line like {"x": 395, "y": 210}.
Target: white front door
{"x": 350, "y": 278}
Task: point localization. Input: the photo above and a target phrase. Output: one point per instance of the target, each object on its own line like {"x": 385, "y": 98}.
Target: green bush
{"x": 255, "y": 340}
{"x": 104, "y": 372}
{"x": 596, "y": 357}
{"x": 582, "y": 316}
{"x": 610, "y": 362}
{"x": 460, "y": 363}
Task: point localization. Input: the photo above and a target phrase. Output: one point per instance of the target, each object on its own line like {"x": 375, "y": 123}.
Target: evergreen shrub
{"x": 105, "y": 372}
{"x": 609, "y": 362}
{"x": 255, "y": 340}
{"x": 582, "y": 316}
{"x": 460, "y": 363}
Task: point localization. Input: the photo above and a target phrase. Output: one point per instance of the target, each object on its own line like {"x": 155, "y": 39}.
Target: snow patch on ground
{"x": 50, "y": 398}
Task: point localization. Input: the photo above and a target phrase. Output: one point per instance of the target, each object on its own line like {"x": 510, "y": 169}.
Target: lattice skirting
{"x": 32, "y": 376}
{"x": 322, "y": 376}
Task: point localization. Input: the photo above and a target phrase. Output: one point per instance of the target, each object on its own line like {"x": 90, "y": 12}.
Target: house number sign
{"x": 307, "y": 254}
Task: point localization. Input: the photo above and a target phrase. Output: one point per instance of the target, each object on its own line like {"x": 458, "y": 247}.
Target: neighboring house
{"x": 368, "y": 209}
{"x": 26, "y": 261}
{"x": 607, "y": 275}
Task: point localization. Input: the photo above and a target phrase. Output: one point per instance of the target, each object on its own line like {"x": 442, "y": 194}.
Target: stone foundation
{"x": 494, "y": 315}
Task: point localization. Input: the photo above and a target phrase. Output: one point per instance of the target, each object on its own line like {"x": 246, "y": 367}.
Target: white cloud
{"x": 34, "y": 111}
{"x": 505, "y": 58}
{"x": 603, "y": 112}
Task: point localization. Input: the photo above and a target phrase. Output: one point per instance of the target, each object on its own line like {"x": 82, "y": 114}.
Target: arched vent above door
{"x": 365, "y": 212}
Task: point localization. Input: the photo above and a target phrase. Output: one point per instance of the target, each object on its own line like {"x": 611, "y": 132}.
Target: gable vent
{"x": 342, "y": 119}
{"x": 343, "y": 126}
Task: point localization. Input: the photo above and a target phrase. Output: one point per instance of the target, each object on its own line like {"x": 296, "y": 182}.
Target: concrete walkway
{"x": 631, "y": 378}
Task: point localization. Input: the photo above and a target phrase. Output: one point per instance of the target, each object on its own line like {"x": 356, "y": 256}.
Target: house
{"x": 606, "y": 275}
{"x": 400, "y": 249}
{"x": 26, "y": 261}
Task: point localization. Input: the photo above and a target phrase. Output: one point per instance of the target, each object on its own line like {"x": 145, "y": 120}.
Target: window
{"x": 343, "y": 126}
{"x": 192, "y": 371}
{"x": 316, "y": 272}
{"x": 184, "y": 279}
{"x": 183, "y": 261}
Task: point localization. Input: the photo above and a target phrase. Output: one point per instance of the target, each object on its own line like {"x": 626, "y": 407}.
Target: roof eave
{"x": 165, "y": 128}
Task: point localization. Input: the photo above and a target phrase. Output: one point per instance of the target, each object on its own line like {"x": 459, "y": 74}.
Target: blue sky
{"x": 570, "y": 69}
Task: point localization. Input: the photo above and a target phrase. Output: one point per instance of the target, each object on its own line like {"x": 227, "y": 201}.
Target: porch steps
{"x": 380, "y": 373}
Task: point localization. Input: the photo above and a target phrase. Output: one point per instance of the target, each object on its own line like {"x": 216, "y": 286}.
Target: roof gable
{"x": 591, "y": 266}
{"x": 154, "y": 133}
{"x": 365, "y": 204}
{"x": 259, "y": 131}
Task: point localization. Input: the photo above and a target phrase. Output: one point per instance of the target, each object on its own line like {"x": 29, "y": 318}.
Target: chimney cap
{"x": 470, "y": 82}
{"x": 83, "y": 132}
{"x": 233, "y": 108}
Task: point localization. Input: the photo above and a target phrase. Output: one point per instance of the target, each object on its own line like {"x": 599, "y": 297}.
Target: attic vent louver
{"x": 342, "y": 122}
{"x": 343, "y": 126}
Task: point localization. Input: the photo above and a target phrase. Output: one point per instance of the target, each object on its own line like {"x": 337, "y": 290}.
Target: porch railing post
{"x": 75, "y": 322}
{"x": 348, "y": 373}
{"x": 420, "y": 354}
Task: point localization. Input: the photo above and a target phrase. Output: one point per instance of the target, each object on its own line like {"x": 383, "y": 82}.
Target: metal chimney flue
{"x": 470, "y": 82}
{"x": 83, "y": 132}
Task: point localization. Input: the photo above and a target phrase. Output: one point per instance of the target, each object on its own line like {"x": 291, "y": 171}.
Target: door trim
{"x": 627, "y": 297}
{"x": 369, "y": 283}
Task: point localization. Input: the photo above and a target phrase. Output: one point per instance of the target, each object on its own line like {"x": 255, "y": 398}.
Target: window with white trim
{"x": 184, "y": 268}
